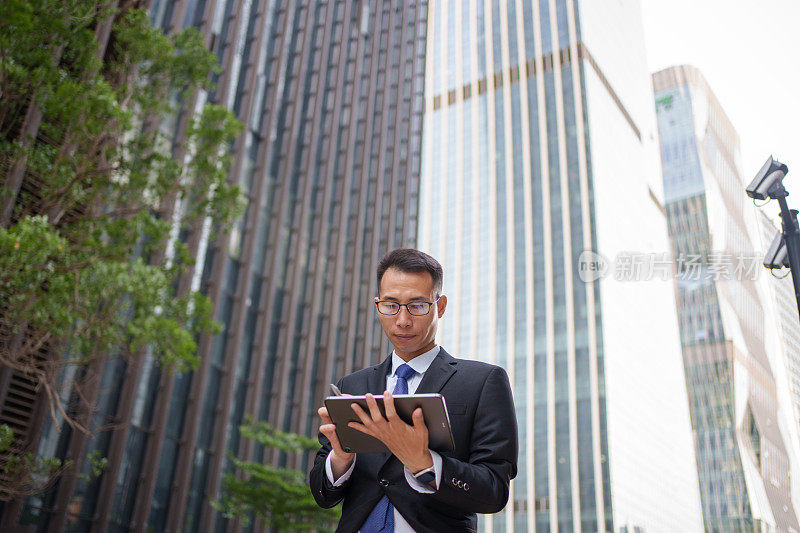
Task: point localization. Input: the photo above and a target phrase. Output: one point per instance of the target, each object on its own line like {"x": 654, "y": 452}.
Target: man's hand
{"x": 340, "y": 459}
{"x": 407, "y": 443}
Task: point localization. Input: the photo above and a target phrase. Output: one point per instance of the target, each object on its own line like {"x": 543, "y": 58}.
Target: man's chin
{"x": 405, "y": 344}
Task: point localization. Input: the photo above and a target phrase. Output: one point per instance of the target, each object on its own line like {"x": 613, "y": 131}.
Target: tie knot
{"x": 404, "y": 371}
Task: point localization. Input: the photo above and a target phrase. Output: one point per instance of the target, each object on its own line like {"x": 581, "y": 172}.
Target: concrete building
{"x": 746, "y": 456}
{"x": 539, "y": 169}
{"x": 330, "y": 94}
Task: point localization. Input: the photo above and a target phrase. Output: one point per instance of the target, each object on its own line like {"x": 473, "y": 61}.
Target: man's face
{"x": 411, "y": 335}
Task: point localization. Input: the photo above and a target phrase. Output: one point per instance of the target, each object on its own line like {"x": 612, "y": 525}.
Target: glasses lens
{"x": 388, "y": 308}
{"x": 418, "y": 308}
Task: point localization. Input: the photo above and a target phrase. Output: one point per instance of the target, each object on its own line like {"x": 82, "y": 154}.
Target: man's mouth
{"x": 404, "y": 337}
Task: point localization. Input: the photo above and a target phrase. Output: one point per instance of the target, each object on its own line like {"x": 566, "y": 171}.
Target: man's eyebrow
{"x": 413, "y": 299}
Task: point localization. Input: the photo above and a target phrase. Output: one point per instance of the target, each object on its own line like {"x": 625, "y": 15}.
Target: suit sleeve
{"x": 325, "y": 494}
{"x": 481, "y": 485}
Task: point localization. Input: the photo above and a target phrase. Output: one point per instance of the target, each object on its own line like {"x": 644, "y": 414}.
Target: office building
{"x": 330, "y": 95}
{"x": 541, "y": 195}
{"x": 745, "y": 458}
{"x": 783, "y": 305}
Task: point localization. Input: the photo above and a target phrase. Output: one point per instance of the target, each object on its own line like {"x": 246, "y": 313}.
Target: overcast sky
{"x": 749, "y": 51}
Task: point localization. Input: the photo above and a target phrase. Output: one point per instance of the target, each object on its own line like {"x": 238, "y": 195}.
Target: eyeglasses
{"x": 388, "y": 307}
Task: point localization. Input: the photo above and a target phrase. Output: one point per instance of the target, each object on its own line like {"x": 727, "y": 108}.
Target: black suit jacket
{"x": 475, "y": 476}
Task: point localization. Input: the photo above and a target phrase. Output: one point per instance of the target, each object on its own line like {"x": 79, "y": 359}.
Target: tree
{"x": 25, "y": 473}
{"x": 96, "y": 199}
{"x": 280, "y": 497}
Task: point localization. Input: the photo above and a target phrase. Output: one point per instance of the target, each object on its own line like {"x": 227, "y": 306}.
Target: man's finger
{"x": 418, "y": 419}
{"x": 323, "y": 414}
{"x": 360, "y": 427}
{"x": 329, "y": 430}
{"x": 374, "y": 411}
{"x": 388, "y": 406}
{"x": 361, "y": 414}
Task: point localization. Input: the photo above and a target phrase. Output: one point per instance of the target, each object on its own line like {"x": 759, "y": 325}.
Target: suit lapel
{"x": 376, "y": 382}
{"x": 441, "y": 370}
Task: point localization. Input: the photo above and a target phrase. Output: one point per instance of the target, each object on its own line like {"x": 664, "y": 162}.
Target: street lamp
{"x": 778, "y": 255}
{"x": 785, "y": 247}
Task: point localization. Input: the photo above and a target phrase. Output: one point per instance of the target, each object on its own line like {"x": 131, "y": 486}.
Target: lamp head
{"x": 778, "y": 255}
{"x": 770, "y": 175}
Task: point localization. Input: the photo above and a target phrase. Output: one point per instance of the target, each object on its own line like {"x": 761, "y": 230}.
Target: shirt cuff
{"x": 344, "y": 477}
{"x": 417, "y": 485}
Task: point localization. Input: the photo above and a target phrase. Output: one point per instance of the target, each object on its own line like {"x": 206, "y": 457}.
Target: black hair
{"x": 411, "y": 260}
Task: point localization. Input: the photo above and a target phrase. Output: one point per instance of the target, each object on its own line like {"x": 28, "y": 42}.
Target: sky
{"x": 749, "y": 52}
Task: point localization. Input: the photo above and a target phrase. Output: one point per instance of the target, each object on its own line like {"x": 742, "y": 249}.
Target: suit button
{"x": 453, "y": 481}
{"x": 460, "y": 485}
{"x": 466, "y": 486}
{"x": 384, "y": 482}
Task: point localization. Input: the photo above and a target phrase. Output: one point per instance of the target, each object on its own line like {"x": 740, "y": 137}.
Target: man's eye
{"x": 416, "y": 307}
{"x": 391, "y": 307}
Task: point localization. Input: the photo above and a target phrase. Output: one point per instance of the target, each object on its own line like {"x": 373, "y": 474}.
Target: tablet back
{"x": 434, "y": 410}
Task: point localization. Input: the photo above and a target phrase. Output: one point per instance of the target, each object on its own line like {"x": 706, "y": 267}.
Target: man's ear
{"x": 441, "y": 304}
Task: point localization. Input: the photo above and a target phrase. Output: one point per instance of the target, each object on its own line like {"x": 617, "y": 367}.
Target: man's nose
{"x": 403, "y": 316}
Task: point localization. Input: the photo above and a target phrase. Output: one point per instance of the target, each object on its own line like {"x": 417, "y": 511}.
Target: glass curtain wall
{"x": 330, "y": 96}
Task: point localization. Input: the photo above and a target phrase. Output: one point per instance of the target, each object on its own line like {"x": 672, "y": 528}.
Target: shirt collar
{"x": 420, "y": 363}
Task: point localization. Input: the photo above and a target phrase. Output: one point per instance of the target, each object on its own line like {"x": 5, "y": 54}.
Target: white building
{"x": 745, "y": 439}
{"x": 539, "y": 144}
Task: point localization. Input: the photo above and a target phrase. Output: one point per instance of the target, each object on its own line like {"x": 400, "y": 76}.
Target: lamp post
{"x": 785, "y": 248}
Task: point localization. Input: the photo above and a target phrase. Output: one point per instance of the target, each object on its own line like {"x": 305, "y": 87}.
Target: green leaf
{"x": 6, "y": 437}
{"x": 92, "y": 259}
{"x": 279, "y": 497}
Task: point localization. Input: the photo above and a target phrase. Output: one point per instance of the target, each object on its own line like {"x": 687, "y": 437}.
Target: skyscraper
{"x": 783, "y": 346}
{"x": 783, "y": 305}
{"x": 540, "y": 164}
{"x": 330, "y": 94}
{"x": 745, "y": 461}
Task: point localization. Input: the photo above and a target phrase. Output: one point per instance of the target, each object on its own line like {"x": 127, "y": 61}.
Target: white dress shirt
{"x": 420, "y": 365}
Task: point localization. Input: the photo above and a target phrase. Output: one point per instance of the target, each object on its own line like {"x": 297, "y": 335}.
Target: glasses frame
{"x": 430, "y": 304}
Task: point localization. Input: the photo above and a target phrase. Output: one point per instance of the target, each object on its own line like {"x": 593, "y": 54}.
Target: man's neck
{"x": 420, "y": 363}
{"x": 409, "y": 357}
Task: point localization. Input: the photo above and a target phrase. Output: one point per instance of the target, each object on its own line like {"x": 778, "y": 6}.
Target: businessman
{"x": 414, "y": 488}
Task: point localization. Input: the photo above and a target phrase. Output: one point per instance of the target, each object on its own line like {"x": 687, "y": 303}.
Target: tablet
{"x": 434, "y": 410}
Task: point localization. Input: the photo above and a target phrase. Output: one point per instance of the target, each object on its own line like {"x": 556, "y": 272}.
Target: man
{"x": 413, "y": 488}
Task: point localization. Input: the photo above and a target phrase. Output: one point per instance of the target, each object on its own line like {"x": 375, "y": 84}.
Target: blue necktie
{"x": 381, "y": 519}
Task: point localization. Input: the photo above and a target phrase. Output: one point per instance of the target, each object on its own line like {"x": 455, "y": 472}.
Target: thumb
{"x": 329, "y": 430}
{"x": 418, "y": 420}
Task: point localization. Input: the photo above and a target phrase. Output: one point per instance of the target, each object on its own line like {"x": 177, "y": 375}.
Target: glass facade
{"x": 781, "y": 291}
{"x": 509, "y": 173}
{"x": 743, "y": 446}
{"x": 331, "y": 97}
